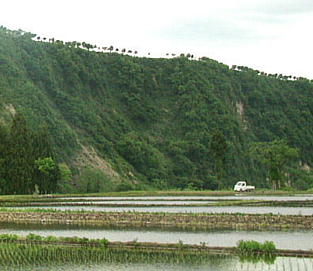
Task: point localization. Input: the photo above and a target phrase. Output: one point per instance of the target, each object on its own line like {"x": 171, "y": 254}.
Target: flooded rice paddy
{"x": 140, "y": 202}
{"x": 293, "y": 240}
{"x": 199, "y": 198}
{"x": 283, "y": 239}
{"x": 217, "y": 264}
{"x": 189, "y": 209}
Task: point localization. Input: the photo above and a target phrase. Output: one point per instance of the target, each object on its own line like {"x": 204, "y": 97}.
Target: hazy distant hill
{"x": 151, "y": 121}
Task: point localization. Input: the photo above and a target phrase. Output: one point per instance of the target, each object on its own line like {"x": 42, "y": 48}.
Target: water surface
{"x": 225, "y": 264}
{"x": 194, "y": 198}
{"x": 283, "y": 239}
{"x": 190, "y": 209}
{"x": 134, "y": 202}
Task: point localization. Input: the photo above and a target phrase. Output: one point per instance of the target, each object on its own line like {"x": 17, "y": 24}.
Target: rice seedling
{"x": 12, "y": 254}
{"x": 254, "y": 247}
{"x": 253, "y": 251}
{"x": 200, "y": 221}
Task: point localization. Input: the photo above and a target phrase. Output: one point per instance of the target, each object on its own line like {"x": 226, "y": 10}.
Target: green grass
{"x": 25, "y": 255}
{"x": 253, "y": 251}
{"x": 37, "y": 250}
{"x": 253, "y": 247}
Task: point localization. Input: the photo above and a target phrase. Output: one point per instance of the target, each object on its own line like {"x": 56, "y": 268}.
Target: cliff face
{"x": 151, "y": 120}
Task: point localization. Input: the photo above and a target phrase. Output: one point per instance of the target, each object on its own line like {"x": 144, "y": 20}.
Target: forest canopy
{"x": 178, "y": 122}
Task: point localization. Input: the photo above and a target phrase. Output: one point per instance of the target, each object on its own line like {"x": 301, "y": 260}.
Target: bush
{"x": 93, "y": 180}
{"x": 125, "y": 186}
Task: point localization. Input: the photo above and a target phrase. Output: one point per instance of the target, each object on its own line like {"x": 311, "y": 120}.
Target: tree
{"x": 3, "y": 153}
{"x": 49, "y": 174}
{"x": 19, "y": 162}
{"x": 88, "y": 46}
{"x": 111, "y": 48}
{"x": 65, "y": 183}
{"x": 93, "y": 180}
{"x": 218, "y": 148}
{"x": 143, "y": 157}
{"x": 42, "y": 143}
{"x": 276, "y": 156}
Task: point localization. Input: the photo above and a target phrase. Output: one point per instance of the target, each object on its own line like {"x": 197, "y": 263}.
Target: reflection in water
{"x": 209, "y": 198}
{"x": 140, "y": 202}
{"x": 282, "y": 239}
{"x": 229, "y": 264}
{"x": 255, "y": 258}
{"x": 186, "y": 209}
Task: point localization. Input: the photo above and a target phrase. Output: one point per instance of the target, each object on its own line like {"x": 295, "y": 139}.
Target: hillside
{"x": 143, "y": 122}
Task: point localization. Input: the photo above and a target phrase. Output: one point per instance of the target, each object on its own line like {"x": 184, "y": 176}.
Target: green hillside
{"x": 123, "y": 122}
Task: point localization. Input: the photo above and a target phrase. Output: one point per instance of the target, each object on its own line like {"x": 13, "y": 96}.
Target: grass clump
{"x": 8, "y": 237}
{"x": 34, "y": 237}
{"x": 251, "y": 247}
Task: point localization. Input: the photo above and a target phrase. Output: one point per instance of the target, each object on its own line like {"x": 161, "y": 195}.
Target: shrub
{"x": 93, "y": 180}
{"x": 124, "y": 186}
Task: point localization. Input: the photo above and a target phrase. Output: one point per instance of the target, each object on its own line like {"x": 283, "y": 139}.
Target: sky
{"x": 273, "y": 36}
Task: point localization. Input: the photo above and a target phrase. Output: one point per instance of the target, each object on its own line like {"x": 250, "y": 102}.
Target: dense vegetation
{"x": 27, "y": 160}
{"x": 118, "y": 122}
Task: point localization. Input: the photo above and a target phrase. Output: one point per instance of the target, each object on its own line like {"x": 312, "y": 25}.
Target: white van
{"x": 242, "y": 187}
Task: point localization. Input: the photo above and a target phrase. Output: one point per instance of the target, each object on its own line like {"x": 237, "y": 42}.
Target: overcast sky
{"x": 274, "y": 36}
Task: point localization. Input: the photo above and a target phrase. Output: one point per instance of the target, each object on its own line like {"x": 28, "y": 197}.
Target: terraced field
{"x": 207, "y": 221}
